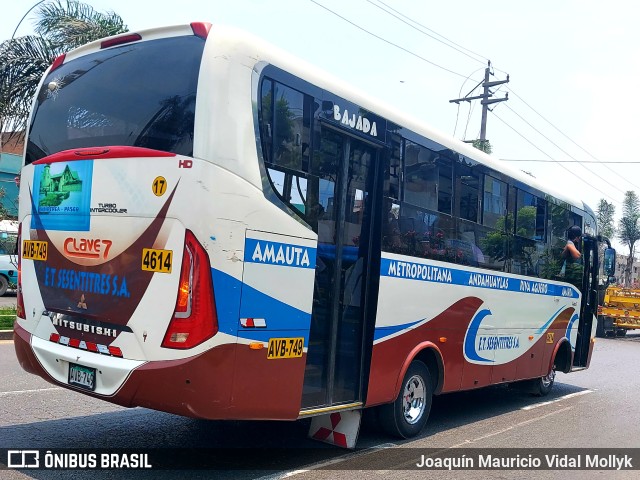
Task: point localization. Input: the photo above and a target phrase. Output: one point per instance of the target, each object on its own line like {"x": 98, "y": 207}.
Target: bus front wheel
{"x": 407, "y": 415}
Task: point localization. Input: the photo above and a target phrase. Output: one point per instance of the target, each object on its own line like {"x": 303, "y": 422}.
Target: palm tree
{"x": 629, "y": 229}
{"x": 60, "y": 26}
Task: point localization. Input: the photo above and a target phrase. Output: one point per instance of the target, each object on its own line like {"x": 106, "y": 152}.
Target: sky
{"x": 573, "y": 66}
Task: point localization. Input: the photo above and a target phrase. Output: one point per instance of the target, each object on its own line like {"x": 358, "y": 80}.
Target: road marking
{"x": 467, "y": 443}
{"x": 504, "y": 430}
{"x": 280, "y": 476}
{"x": 559, "y": 399}
{"x": 326, "y": 463}
{"x": 18, "y": 392}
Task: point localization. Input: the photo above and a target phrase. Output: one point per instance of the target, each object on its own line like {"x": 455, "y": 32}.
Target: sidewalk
{"x": 6, "y": 334}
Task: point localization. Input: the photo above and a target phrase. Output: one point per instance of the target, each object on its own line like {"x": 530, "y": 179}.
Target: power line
{"x": 455, "y": 128}
{"x": 451, "y": 44}
{"x": 572, "y": 141}
{"x": 466, "y": 77}
{"x": 387, "y": 41}
{"x": 471, "y": 107}
{"x": 550, "y": 157}
{"x": 560, "y": 148}
{"x": 511, "y": 90}
{"x": 484, "y": 58}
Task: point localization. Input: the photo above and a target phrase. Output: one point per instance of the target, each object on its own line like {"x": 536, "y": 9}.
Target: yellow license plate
{"x": 285, "y": 348}
{"x": 157, "y": 260}
{"x": 34, "y": 250}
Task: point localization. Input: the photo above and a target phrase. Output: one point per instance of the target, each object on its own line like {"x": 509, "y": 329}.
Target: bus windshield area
{"x": 131, "y": 95}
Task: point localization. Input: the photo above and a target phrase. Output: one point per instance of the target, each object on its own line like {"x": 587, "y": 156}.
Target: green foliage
{"x": 605, "y": 214}
{"x": 7, "y": 317}
{"x": 51, "y": 200}
{"x": 483, "y": 145}
{"x": 499, "y": 243}
{"x": 526, "y": 226}
{"x": 61, "y": 26}
{"x": 629, "y": 229}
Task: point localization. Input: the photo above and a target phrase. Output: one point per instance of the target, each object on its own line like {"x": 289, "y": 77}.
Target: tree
{"x": 483, "y": 145}
{"x": 629, "y": 229}
{"x": 60, "y": 26}
{"x": 605, "y": 214}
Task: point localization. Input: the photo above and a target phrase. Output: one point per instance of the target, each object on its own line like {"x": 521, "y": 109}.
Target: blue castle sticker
{"x": 62, "y": 195}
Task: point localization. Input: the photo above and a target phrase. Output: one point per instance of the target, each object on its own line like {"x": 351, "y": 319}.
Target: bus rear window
{"x": 140, "y": 94}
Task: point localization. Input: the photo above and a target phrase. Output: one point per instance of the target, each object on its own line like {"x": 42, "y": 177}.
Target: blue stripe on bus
{"x": 228, "y": 292}
{"x": 282, "y": 319}
{"x": 472, "y": 333}
{"x": 544, "y": 327}
{"x": 276, "y": 253}
{"x": 382, "y": 332}
{"x": 573, "y": 320}
{"x": 235, "y": 300}
{"x": 455, "y": 276}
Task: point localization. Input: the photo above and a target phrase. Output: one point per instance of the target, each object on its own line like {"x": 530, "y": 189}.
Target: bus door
{"x": 589, "y": 305}
{"x": 339, "y": 340}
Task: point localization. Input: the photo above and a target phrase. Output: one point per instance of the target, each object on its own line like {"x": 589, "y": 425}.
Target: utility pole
{"x": 485, "y": 102}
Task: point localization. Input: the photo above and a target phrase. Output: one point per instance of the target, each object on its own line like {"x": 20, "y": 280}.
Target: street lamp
{"x": 25, "y": 16}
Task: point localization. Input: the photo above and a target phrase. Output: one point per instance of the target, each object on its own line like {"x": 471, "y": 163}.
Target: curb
{"x": 6, "y": 334}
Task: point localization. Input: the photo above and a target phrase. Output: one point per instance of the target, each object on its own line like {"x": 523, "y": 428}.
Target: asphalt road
{"x": 8, "y": 300}
{"x": 595, "y": 408}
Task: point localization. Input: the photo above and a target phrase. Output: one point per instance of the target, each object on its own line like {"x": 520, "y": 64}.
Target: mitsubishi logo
{"x": 82, "y": 303}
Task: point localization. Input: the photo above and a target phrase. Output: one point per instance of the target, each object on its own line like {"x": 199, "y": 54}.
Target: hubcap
{"x": 548, "y": 379}
{"x": 413, "y": 396}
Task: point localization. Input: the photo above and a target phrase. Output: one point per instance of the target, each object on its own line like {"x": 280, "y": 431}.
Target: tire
{"x": 4, "y": 285}
{"x": 408, "y": 414}
{"x": 540, "y": 387}
{"x": 621, "y": 332}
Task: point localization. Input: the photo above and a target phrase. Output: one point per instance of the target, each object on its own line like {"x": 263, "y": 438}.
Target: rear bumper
{"x": 187, "y": 387}
{"x": 202, "y": 386}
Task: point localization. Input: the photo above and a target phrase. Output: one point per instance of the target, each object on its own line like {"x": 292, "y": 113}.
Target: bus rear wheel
{"x": 540, "y": 387}
{"x": 408, "y": 414}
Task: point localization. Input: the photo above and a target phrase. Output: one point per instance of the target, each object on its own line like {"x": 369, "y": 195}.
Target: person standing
{"x": 572, "y": 256}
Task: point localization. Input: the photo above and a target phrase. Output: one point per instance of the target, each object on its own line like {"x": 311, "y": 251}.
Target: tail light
{"x": 194, "y": 318}
{"x": 58, "y": 62}
{"x": 132, "y": 37}
{"x": 20, "y": 312}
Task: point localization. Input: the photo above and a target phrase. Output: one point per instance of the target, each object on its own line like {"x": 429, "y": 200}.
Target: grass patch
{"x": 7, "y": 317}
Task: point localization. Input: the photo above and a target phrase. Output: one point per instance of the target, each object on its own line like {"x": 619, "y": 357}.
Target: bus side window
{"x": 289, "y": 133}
{"x": 266, "y": 120}
{"x": 467, "y": 190}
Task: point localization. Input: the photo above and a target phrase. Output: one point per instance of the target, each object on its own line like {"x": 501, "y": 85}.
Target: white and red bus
{"x": 213, "y": 228}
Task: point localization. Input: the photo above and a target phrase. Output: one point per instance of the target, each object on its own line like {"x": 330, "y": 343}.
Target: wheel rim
{"x": 413, "y": 399}
{"x": 548, "y": 378}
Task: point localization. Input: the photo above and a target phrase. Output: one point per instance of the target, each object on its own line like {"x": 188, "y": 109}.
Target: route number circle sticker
{"x": 159, "y": 186}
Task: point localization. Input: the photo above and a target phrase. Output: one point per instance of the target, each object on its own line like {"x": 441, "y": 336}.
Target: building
{"x": 11, "y": 148}
{"x": 621, "y": 266}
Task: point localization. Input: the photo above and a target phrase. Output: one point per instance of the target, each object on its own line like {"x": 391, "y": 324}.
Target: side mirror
{"x": 609, "y": 264}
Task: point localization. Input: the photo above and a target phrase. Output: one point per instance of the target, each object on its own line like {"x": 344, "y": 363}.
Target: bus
{"x": 214, "y": 228}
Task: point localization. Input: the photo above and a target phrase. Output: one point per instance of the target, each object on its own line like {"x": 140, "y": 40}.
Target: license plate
{"x": 34, "y": 250}
{"x": 157, "y": 260}
{"x": 285, "y": 348}
{"x": 80, "y": 376}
